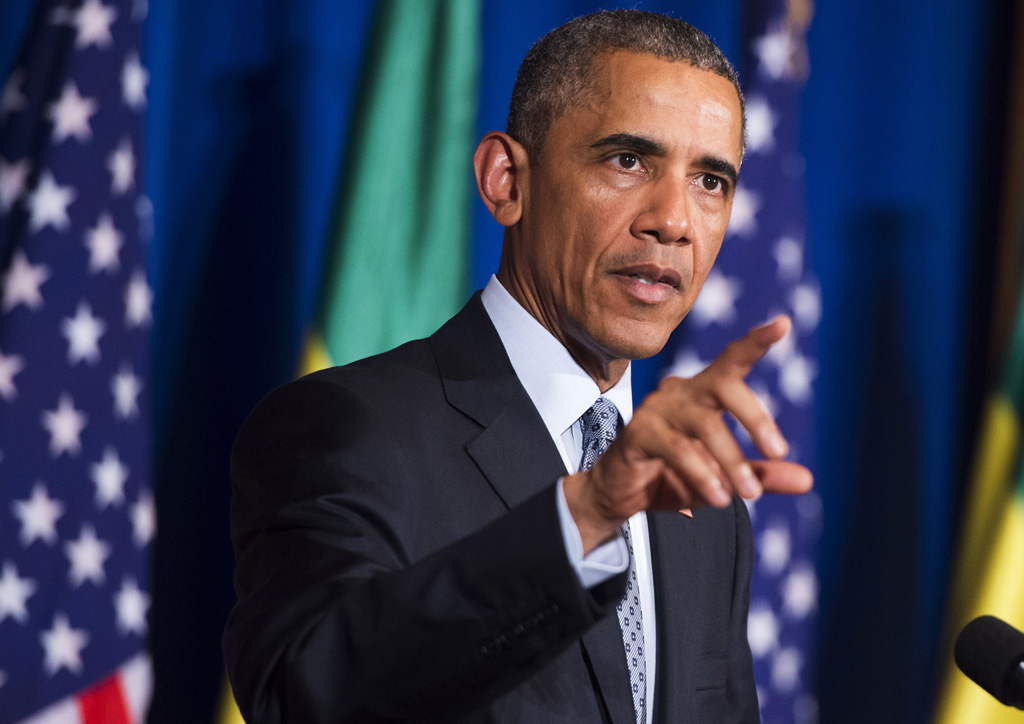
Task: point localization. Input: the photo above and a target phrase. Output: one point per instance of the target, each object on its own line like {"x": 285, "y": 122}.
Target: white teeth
{"x": 643, "y": 280}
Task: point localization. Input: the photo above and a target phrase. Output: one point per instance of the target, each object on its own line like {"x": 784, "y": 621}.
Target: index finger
{"x": 741, "y": 354}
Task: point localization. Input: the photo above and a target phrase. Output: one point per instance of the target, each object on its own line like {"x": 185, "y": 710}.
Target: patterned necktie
{"x": 600, "y": 423}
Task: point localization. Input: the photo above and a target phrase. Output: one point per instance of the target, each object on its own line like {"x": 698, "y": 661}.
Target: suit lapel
{"x": 514, "y": 451}
{"x": 518, "y": 458}
{"x": 675, "y": 557}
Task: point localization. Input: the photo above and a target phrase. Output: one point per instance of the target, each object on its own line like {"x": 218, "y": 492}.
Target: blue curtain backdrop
{"x": 248, "y": 108}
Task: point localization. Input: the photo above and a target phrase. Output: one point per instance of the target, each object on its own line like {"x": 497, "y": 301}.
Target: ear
{"x": 501, "y": 166}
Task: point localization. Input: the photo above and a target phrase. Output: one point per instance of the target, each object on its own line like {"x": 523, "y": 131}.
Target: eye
{"x": 710, "y": 182}
{"x": 628, "y": 161}
{"x": 713, "y": 184}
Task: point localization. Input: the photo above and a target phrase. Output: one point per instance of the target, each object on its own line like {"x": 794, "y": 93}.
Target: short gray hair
{"x": 556, "y": 72}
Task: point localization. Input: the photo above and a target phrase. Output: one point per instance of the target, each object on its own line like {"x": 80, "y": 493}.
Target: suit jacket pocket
{"x": 711, "y": 671}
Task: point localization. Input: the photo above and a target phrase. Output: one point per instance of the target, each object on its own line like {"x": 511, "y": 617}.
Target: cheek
{"x": 713, "y": 215}
{"x": 591, "y": 221}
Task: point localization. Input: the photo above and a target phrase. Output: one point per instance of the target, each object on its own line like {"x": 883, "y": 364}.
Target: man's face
{"x": 626, "y": 209}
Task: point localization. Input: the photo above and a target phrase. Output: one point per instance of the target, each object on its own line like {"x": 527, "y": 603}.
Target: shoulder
{"x": 339, "y": 401}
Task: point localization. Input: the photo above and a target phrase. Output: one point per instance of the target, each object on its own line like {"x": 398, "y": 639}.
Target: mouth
{"x": 652, "y": 274}
{"x": 650, "y": 283}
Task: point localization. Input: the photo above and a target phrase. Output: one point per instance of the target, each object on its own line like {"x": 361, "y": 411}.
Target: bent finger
{"x": 748, "y": 409}
{"x": 682, "y": 456}
{"x": 714, "y": 436}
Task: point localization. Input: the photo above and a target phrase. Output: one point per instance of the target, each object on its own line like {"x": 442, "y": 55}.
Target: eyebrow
{"x": 640, "y": 144}
{"x": 719, "y": 166}
{"x": 650, "y": 147}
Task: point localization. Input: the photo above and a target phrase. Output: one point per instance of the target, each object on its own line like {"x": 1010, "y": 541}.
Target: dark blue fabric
{"x": 249, "y": 102}
{"x": 890, "y": 128}
{"x": 248, "y": 106}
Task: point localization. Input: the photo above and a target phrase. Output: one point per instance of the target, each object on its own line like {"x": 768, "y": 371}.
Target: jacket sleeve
{"x": 338, "y": 619}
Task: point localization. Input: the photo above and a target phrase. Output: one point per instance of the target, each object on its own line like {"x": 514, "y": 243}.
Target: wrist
{"x": 594, "y": 525}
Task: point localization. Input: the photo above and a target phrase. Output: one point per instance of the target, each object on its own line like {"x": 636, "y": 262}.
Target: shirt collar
{"x": 559, "y": 388}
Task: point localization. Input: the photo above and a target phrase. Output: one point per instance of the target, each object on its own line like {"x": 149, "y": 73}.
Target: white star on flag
{"x": 104, "y": 243}
{"x": 83, "y": 332}
{"x": 38, "y": 516}
{"x": 775, "y": 547}
{"x": 743, "y": 219}
{"x": 134, "y": 79}
{"x": 140, "y": 9}
{"x": 809, "y": 507}
{"x": 143, "y": 515}
{"x": 87, "y": 556}
{"x": 121, "y": 164}
{"x": 774, "y": 52}
{"x": 63, "y": 646}
{"x": 126, "y": 388}
{"x": 65, "y": 425}
{"x": 789, "y": 255}
{"x": 761, "y": 123}
{"x": 805, "y": 300}
{"x": 93, "y": 21}
{"x": 22, "y": 282}
{"x": 783, "y": 350}
{"x": 132, "y": 605}
{"x": 795, "y": 377}
{"x": 109, "y": 476}
{"x": 717, "y": 300}
{"x": 688, "y": 364}
{"x": 13, "y": 178}
{"x": 10, "y": 365}
{"x": 14, "y": 594}
{"x": 71, "y": 113}
{"x": 48, "y": 204}
{"x": 786, "y": 666}
{"x": 800, "y": 591}
{"x": 13, "y": 100}
{"x": 138, "y": 301}
{"x": 762, "y": 630}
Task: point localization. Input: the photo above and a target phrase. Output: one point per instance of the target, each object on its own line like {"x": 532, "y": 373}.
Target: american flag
{"x": 762, "y": 271}
{"x": 76, "y": 511}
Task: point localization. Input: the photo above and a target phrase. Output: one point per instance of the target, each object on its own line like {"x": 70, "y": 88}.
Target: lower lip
{"x": 648, "y": 293}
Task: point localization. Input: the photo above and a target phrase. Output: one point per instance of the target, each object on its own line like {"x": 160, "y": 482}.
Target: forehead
{"x": 663, "y": 99}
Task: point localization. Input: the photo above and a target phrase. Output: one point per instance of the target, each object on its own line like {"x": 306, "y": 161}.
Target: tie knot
{"x": 599, "y": 423}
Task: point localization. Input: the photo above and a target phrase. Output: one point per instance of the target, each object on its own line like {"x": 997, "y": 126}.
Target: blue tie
{"x": 600, "y": 424}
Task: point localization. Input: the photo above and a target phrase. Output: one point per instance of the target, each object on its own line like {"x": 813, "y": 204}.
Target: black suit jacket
{"x": 399, "y": 558}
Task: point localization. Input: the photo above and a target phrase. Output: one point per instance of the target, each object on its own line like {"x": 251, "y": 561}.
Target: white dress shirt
{"x": 561, "y": 391}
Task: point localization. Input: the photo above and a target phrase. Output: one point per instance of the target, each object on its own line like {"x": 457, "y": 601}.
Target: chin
{"x": 638, "y": 340}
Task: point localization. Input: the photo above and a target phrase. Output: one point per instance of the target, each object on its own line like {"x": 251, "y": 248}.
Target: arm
{"x": 341, "y": 616}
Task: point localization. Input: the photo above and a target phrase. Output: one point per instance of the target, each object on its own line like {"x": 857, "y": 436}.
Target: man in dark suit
{"x": 447, "y": 532}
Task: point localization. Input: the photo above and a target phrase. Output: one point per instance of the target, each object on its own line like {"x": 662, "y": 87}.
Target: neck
{"x": 605, "y": 370}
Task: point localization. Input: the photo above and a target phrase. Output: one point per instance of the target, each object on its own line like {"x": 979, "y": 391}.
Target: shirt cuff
{"x": 607, "y": 560}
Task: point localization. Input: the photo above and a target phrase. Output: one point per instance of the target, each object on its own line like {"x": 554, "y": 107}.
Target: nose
{"x": 665, "y": 212}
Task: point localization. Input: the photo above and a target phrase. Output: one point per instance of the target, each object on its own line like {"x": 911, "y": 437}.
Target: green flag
{"x": 397, "y": 269}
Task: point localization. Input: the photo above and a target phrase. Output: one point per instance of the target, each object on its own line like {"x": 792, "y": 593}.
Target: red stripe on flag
{"x": 104, "y": 703}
